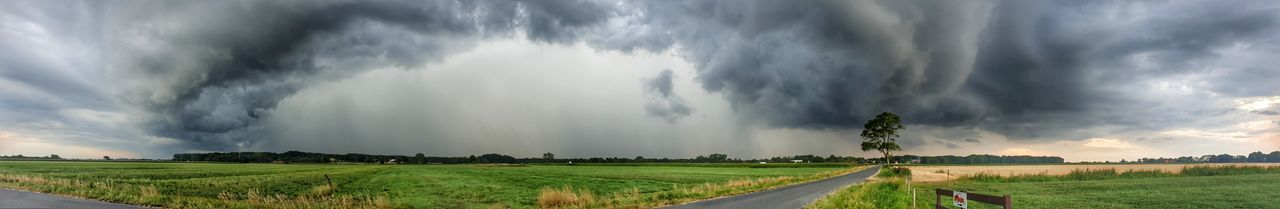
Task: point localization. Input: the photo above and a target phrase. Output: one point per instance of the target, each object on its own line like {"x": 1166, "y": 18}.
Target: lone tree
{"x": 880, "y": 133}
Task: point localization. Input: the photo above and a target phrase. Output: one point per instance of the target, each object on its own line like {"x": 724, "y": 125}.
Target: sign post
{"x": 960, "y": 199}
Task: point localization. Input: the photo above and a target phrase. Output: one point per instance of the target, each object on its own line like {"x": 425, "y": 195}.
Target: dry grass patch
{"x": 565, "y": 197}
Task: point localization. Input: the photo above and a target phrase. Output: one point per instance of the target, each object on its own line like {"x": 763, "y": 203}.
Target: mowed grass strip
{"x": 213, "y": 185}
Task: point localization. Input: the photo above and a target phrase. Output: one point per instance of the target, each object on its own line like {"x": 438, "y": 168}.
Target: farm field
{"x": 952, "y": 172}
{"x": 214, "y": 185}
{"x": 1214, "y": 186}
{"x": 1231, "y": 191}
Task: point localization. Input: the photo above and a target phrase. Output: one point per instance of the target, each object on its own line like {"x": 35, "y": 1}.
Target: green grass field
{"x": 212, "y": 185}
{"x": 1203, "y": 188}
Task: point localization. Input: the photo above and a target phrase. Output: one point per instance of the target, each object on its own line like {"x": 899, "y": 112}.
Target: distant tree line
{"x": 50, "y": 157}
{"x": 1254, "y": 157}
{"x": 310, "y": 157}
{"x": 980, "y": 159}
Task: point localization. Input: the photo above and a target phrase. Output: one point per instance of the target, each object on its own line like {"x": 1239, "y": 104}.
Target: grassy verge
{"x": 887, "y": 190}
{"x": 567, "y": 197}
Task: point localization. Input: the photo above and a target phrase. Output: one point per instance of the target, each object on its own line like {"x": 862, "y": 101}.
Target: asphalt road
{"x": 21, "y": 199}
{"x": 794, "y": 196}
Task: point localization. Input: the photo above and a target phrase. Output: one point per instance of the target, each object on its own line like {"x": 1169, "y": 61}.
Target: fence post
{"x": 937, "y": 202}
{"x": 326, "y": 178}
{"x": 1008, "y": 202}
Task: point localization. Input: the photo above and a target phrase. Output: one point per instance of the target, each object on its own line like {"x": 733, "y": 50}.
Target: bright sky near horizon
{"x": 1088, "y": 81}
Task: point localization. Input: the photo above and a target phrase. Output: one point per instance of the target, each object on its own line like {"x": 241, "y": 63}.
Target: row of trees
{"x": 50, "y": 157}
{"x": 982, "y": 159}
{"x": 1254, "y": 157}
{"x": 310, "y": 157}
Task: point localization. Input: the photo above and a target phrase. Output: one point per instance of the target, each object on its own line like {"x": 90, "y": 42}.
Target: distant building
{"x": 797, "y": 161}
{"x": 764, "y": 162}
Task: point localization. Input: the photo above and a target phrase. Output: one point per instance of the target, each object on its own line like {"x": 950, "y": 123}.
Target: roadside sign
{"x": 960, "y": 199}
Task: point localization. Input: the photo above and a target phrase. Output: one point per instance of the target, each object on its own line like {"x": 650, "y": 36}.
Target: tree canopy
{"x": 880, "y": 134}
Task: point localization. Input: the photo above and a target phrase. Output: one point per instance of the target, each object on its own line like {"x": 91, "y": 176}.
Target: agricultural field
{"x": 946, "y": 173}
{"x": 214, "y": 185}
{"x": 1116, "y": 186}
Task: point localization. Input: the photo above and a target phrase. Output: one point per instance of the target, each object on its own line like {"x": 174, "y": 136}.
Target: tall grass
{"x": 1111, "y": 173}
{"x": 890, "y": 192}
{"x": 567, "y": 197}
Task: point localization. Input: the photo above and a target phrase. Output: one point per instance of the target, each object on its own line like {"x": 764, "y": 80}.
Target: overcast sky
{"x": 1085, "y": 80}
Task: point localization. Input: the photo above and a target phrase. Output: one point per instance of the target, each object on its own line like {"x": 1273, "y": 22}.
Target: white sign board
{"x": 960, "y": 199}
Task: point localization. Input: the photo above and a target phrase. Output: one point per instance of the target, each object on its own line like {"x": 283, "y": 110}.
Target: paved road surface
{"x": 21, "y": 199}
{"x": 794, "y": 196}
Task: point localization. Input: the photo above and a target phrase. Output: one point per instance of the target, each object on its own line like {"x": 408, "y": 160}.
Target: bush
{"x": 895, "y": 171}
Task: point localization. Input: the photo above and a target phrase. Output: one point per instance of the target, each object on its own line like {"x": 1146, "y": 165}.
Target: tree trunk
{"x": 887, "y": 158}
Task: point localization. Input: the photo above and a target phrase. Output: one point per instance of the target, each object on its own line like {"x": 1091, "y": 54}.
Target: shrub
{"x": 564, "y": 198}
{"x": 895, "y": 171}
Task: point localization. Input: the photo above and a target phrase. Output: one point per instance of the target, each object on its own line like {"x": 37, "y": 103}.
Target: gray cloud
{"x": 663, "y": 102}
{"x": 207, "y": 73}
{"x": 949, "y": 145}
{"x": 1024, "y": 69}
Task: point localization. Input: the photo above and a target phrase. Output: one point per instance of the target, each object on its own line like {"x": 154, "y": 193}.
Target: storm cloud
{"x": 207, "y": 73}
{"x": 1027, "y": 69}
{"x": 211, "y": 70}
{"x": 663, "y": 101}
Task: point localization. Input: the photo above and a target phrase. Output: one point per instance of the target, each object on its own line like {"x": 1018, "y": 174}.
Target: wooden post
{"x": 937, "y": 203}
{"x": 326, "y": 178}
{"x": 1008, "y": 202}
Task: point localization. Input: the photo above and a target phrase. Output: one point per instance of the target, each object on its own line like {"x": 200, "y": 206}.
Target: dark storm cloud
{"x": 973, "y": 140}
{"x": 208, "y": 72}
{"x": 219, "y": 67}
{"x": 1021, "y": 68}
{"x": 663, "y": 102}
{"x": 825, "y": 64}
